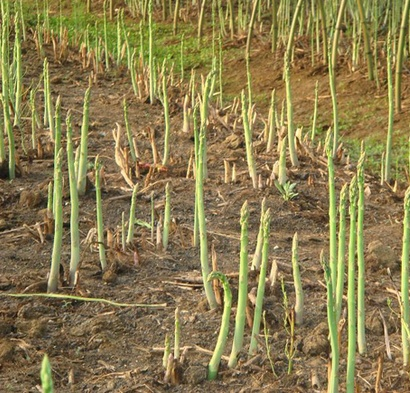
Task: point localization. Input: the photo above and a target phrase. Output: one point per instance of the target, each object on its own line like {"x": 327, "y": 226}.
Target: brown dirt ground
{"x": 94, "y": 347}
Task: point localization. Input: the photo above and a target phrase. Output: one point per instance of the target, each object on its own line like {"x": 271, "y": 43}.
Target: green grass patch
{"x": 374, "y": 152}
{"x": 80, "y": 24}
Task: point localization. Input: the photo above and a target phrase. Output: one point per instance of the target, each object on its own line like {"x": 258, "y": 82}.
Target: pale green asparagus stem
{"x": 187, "y": 115}
{"x": 10, "y": 135}
{"x": 389, "y": 141}
{"x": 243, "y": 289}
{"x": 23, "y": 25}
{"x": 207, "y": 91}
{"x": 271, "y": 122}
{"x": 34, "y": 120}
{"x": 48, "y": 103}
{"x": 182, "y": 55}
{"x": 401, "y": 53}
{"x": 57, "y": 136}
{"x": 200, "y": 207}
{"x": 5, "y": 99}
{"x": 58, "y": 225}
{"x": 46, "y": 376}
{"x": 341, "y": 251}
{"x": 74, "y": 230}
{"x": 282, "y": 175}
{"x": 167, "y": 120}
{"x": 351, "y": 299}
{"x": 83, "y": 160}
{"x": 223, "y": 333}
{"x": 2, "y": 143}
{"x": 299, "y": 304}
{"x": 333, "y": 384}
{"x": 332, "y": 83}
{"x": 50, "y": 199}
{"x": 152, "y": 216}
{"x": 405, "y": 321}
{"x": 261, "y": 285}
{"x": 123, "y": 237}
{"x": 118, "y": 59}
{"x": 151, "y": 65}
{"x": 366, "y": 39}
{"x": 18, "y": 71}
{"x": 288, "y": 56}
{"x": 106, "y": 48}
{"x": 133, "y": 73}
{"x": 314, "y": 122}
{"x": 177, "y": 336}
{"x": 100, "y": 223}
{"x": 129, "y": 132}
{"x": 195, "y": 237}
{"x": 332, "y": 215}
{"x": 220, "y": 70}
{"x": 131, "y": 220}
{"x": 167, "y": 217}
{"x": 248, "y": 141}
{"x": 257, "y": 256}
{"x": 289, "y": 105}
{"x": 250, "y": 28}
{"x": 361, "y": 274}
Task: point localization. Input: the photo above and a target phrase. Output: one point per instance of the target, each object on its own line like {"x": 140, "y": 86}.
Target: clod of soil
{"x": 380, "y": 256}
{"x": 317, "y": 343}
{"x": 6, "y": 351}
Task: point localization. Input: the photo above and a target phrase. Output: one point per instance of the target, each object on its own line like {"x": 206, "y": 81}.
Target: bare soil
{"x": 96, "y": 347}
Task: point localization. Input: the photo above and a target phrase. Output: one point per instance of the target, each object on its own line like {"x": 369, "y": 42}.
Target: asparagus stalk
{"x": 261, "y": 285}
{"x": 361, "y": 276}
{"x": 74, "y": 230}
{"x": 248, "y": 141}
{"x": 351, "y": 299}
{"x": 82, "y": 166}
{"x": 224, "y": 330}
{"x": 405, "y": 320}
{"x": 257, "y": 256}
{"x": 243, "y": 289}
{"x": 131, "y": 220}
{"x": 167, "y": 217}
{"x": 46, "y": 376}
{"x": 100, "y": 223}
{"x": 58, "y": 225}
{"x": 299, "y": 305}
{"x": 332, "y": 322}
{"x": 341, "y": 251}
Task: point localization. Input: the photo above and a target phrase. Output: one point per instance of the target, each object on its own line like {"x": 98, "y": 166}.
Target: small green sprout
{"x": 287, "y": 190}
{"x": 46, "y": 376}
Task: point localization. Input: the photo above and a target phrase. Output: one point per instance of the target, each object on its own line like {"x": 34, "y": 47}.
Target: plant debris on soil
{"x": 100, "y": 347}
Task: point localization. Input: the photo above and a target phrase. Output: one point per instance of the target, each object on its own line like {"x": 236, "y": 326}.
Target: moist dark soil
{"x": 100, "y": 347}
